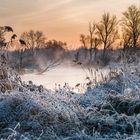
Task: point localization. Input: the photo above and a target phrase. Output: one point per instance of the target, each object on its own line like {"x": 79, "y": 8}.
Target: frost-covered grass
{"x": 109, "y": 109}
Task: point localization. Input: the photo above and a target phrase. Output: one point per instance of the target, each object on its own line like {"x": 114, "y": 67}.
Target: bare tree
{"x": 107, "y": 31}
{"x": 126, "y": 40}
{"x": 30, "y": 40}
{"x": 83, "y": 40}
{"x": 90, "y": 41}
{"x": 34, "y": 39}
{"x": 96, "y": 43}
{"x": 131, "y": 26}
{"x": 92, "y": 28}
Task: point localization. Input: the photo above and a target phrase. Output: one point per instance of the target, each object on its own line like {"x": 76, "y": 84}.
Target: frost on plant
{"x": 109, "y": 110}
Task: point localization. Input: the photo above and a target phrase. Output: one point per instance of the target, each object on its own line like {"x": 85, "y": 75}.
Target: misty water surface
{"x": 59, "y": 75}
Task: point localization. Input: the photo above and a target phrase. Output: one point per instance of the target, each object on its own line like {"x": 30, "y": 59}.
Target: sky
{"x": 62, "y": 20}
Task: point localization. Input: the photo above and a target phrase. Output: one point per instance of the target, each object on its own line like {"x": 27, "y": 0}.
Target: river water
{"x": 59, "y": 75}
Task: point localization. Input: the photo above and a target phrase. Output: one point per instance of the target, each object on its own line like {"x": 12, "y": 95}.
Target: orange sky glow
{"x": 62, "y": 20}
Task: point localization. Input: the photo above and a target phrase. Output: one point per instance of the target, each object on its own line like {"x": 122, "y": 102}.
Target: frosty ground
{"x": 107, "y": 110}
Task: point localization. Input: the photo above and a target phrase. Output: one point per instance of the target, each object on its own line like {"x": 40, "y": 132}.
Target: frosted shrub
{"x": 109, "y": 110}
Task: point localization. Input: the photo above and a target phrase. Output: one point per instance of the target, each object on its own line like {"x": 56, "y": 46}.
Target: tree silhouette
{"x": 96, "y": 43}
{"x": 107, "y": 31}
{"x": 90, "y": 41}
{"x": 131, "y": 26}
{"x": 92, "y": 28}
{"x": 34, "y": 39}
{"x": 126, "y": 40}
{"x": 83, "y": 40}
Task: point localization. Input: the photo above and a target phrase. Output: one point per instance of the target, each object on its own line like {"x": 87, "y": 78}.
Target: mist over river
{"x": 61, "y": 75}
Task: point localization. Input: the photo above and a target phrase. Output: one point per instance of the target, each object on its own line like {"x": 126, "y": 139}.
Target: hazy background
{"x": 64, "y": 20}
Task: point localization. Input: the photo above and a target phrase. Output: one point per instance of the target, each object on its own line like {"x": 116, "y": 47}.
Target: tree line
{"x": 104, "y": 34}
{"x": 110, "y": 30}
